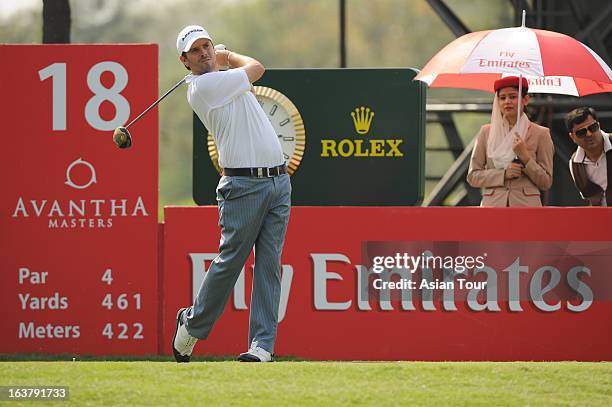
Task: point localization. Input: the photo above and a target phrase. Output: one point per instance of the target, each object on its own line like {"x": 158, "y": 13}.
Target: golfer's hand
{"x": 222, "y": 59}
{"x": 513, "y": 171}
{"x": 520, "y": 149}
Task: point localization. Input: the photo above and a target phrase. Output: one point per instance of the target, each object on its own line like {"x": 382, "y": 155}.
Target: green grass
{"x": 320, "y": 384}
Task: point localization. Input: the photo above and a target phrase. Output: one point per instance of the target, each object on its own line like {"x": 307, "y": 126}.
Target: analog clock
{"x": 287, "y": 123}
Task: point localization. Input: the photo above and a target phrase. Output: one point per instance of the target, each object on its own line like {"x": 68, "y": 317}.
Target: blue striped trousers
{"x": 253, "y": 213}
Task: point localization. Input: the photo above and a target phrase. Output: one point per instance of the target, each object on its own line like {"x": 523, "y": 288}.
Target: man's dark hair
{"x": 184, "y": 54}
{"x": 578, "y": 116}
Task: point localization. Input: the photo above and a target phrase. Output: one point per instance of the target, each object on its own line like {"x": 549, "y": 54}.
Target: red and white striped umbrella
{"x": 552, "y": 62}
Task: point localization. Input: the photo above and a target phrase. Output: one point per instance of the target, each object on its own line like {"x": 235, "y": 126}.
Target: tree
{"x": 56, "y": 22}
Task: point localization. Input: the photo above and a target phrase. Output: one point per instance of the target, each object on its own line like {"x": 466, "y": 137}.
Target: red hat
{"x": 511, "y": 82}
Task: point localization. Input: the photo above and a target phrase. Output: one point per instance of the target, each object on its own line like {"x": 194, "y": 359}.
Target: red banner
{"x": 78, "y": 215}
{"x": 547, "y": 299}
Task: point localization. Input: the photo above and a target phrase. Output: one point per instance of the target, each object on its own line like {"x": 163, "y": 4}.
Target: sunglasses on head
{"x": 583, "y": 131}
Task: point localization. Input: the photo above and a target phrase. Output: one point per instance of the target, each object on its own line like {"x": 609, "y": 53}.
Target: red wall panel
{"x": 376, "y": 334}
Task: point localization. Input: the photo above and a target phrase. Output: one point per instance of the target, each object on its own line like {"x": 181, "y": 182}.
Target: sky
{"x": 8, "y": 7}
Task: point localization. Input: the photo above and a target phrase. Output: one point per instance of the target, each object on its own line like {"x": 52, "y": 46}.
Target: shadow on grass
{"x": 67, "y": 357}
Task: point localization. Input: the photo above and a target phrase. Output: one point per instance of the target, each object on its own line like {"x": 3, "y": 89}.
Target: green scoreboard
{"x": 349, "y": 136}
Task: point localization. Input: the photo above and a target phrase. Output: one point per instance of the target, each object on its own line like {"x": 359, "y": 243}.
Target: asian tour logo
{"x": 362, "y": 121}
{"x": 72, "y": 213}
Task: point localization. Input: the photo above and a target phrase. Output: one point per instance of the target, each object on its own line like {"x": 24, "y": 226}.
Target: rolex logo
{"x": 358, "y": 147}
{"x": 362, "y": 118}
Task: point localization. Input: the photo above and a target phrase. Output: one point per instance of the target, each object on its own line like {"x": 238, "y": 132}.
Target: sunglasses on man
{"x": 593, "y": 127}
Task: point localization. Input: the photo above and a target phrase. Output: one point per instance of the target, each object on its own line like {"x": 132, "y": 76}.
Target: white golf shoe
{"x": 256, "y": 354}
{"x": 182, "y": 343}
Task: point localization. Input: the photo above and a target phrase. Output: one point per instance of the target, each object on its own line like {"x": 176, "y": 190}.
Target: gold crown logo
{"x": 362, "y": 118}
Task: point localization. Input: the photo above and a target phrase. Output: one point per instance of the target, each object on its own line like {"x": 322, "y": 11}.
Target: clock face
{"x": 287, "y": 124}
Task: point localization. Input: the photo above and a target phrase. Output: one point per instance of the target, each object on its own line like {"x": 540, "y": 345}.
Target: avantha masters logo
{"x": 79, "y": 213}
{"x": 86, "y": 164}
{"x": 362, "y": 120}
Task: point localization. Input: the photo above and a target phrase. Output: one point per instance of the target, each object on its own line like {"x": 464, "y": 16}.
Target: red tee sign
{"x": 78, "y": 215}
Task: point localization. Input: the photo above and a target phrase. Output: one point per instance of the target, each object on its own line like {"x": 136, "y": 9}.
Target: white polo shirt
{"x": 597, "y": 171}
{"x": 225, "y": 104}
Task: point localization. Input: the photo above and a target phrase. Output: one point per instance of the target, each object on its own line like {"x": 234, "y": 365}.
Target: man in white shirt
{"x": 591, "y": 164}
{"x": 254, "y": 194}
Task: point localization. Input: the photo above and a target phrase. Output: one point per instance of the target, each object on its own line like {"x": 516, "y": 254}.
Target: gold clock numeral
{"x": 273, "y": 110}
{"x": 284, "y": 122}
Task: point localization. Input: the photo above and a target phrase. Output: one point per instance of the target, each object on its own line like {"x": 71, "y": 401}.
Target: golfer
{"x": 254, "y": 194}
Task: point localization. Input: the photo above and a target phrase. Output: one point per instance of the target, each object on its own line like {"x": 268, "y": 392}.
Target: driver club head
{"x": 122, "y": 137}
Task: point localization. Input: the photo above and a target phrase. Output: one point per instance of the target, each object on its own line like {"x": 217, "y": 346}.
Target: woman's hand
{"x": 520, "y": 149}
{"x": 513, "y": 171}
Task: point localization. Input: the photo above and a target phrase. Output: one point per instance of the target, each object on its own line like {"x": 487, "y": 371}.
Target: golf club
{"x": 122, "y": 137}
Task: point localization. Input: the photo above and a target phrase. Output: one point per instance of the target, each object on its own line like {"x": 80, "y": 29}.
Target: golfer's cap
{"x": 511, "y": 82}
{"x": 188, "y": 36}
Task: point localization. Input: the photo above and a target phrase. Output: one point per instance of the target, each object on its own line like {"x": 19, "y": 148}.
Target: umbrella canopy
{"x": 551, "y": 62}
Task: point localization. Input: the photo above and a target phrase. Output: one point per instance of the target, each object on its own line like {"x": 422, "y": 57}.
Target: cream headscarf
{"x": 499, "y": 145}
